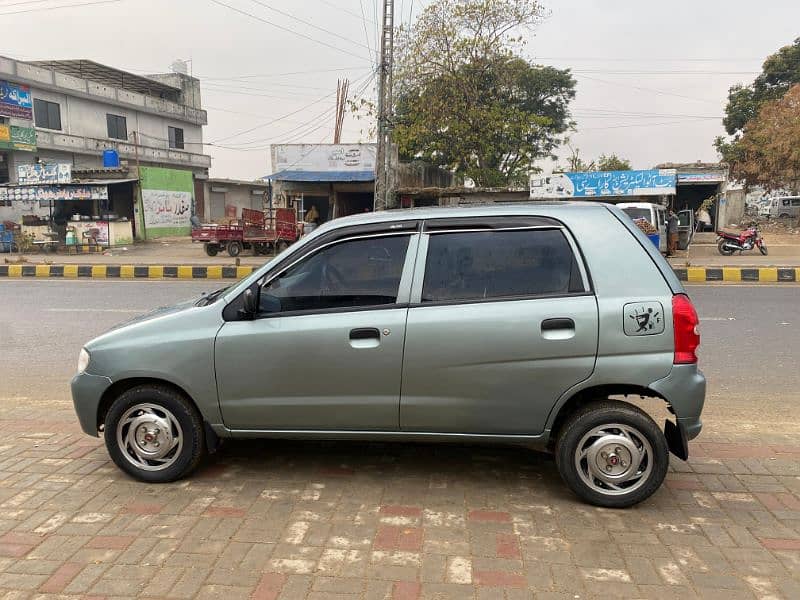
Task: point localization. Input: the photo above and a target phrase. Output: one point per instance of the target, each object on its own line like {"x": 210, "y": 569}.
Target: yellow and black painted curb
{"x": 126, "y": 271}
{"x": 739, "y": 274}
{"x": 688, "y": 274}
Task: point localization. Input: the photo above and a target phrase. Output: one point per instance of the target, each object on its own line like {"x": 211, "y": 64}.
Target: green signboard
{"x": 167, "y": 196}
{"x": 13, "y": 137}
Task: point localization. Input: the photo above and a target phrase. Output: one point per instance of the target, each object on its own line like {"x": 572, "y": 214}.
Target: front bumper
{"x": 87, "y": 391}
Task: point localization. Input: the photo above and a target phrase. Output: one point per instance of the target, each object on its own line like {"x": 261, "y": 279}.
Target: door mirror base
{"x": 249, "y": 305}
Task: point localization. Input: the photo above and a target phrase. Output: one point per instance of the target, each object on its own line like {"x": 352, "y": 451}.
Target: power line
{"x": 49, "y": 8}
{"x": 281, "y": 27}
{"x": 645, "y": 60}
{"x": 645, "y": 89}
{"x": 324, "y": 116}
{"x": 286, "y": 74}
{"x": 346, "y": 11}
{"x": 309, "y": 23}
{"x": 674, "y": 72}
{"x": 628, "y": 125}
{"x": 294, "y": 112}
{"x": 364, "y": 23}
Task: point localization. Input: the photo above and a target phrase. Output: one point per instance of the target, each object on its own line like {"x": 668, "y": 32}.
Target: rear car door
{"x": 502, "y": 322}
{"x": 325, "y": 350}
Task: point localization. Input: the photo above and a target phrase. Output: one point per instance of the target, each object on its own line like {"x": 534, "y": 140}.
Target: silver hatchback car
{"x": 500, "y": 324}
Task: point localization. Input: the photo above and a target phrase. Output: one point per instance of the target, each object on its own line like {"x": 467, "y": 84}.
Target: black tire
{"x": 763, "y": 249}
{"x": 722, "y": 250}
{"x": 211, "y": 249}
{"x": 281, "y": 246}
{"x": 783, "y": 216}
{"x": 605, "y": 414}
{"x": 234, "y": 248}
{"x": 187, "y": 455}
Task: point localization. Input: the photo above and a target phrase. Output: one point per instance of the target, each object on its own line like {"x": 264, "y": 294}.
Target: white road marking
{"x": 717, "y": 318}
{"x": 96, "y": 310}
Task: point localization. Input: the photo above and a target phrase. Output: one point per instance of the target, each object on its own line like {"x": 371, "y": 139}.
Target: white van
{"x": 784, "y": 207}
{"x": 656, "y": 214}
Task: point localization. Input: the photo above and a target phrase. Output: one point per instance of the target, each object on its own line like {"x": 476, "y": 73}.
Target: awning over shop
{"x": 323, "y": 176}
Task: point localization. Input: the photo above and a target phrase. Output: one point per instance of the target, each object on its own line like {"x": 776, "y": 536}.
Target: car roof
{"x": 494, "y": 209}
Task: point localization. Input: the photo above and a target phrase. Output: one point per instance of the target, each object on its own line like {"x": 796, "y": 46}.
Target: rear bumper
{"x": 685, "y": 390}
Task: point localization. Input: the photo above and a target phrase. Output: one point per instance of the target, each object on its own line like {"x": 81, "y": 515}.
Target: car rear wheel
{"x": 612, "y": 454}
{"x": 154, "y": 434}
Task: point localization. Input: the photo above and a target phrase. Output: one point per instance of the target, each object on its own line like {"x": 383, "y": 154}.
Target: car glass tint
{"x": 354, "y": 273}
{"x": 499, "y": 264}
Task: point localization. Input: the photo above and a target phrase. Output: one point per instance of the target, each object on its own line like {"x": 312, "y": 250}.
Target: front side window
{"x": 499, "y": 264}
{"x": 47, "y": 114}
{"x": 117, "y": 127}
{"x": 175, "y": 137}
{"x": 350, "y": 274}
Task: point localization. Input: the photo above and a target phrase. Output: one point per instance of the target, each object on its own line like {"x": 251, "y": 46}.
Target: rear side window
{"x": 481, "y": 265}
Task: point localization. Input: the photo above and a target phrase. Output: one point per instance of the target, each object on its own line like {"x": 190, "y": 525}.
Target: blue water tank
{"x": 110, "y": 159}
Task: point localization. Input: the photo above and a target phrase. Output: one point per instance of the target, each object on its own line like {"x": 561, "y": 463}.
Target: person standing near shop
{"x": 672, "y": 233}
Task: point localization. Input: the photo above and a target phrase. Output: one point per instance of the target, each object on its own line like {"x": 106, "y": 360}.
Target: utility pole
{"x": 384, "y": 193}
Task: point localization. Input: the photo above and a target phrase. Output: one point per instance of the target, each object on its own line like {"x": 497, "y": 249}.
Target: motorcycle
{"x": 748, "y": 239}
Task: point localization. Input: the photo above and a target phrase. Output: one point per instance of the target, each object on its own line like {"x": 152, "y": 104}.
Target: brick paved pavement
{"x": 281, "y": 520}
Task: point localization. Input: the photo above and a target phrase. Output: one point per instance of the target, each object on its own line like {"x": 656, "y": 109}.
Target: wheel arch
{"x": 116, "y": 389}
{"x": 590, "y": 394}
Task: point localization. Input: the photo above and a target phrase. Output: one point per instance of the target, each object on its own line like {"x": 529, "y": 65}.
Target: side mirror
{"x": 249, "y": 307}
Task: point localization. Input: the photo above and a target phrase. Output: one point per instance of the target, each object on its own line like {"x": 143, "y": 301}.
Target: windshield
{"x": 638, "y": 213}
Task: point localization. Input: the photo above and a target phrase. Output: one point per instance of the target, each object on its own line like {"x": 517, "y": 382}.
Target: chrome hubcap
{"x": 150, "y": 437}
{"x": 614, "y": 459}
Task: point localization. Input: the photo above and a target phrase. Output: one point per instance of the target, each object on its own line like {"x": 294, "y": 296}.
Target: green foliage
{"x": 467, "y": 101}
{"x": 613, "y": 163}
{"x": 778, "y": 73}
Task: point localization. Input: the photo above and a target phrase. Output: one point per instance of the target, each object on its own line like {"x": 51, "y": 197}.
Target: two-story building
{"x": 133, "y": 145}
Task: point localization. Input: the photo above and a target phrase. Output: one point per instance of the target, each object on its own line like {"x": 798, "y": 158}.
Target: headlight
{"x": 83, "y": 360}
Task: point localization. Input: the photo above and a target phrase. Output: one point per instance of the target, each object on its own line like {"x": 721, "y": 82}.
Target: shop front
{"x": 95, "y": 213}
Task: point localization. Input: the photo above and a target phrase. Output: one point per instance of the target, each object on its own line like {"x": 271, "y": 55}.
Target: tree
{"x": 768, "y": 152}
{"x": 613, "y": 162}
{"x": 778, "y": 73}
{"x": 467, "y": 100}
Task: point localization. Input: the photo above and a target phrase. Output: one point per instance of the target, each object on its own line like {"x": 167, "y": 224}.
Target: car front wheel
{"x": 154, "y": 434}
{"x": 612, "y": 454}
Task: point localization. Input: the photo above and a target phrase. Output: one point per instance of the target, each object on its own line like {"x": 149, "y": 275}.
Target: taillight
{"x": 685, "y": 325}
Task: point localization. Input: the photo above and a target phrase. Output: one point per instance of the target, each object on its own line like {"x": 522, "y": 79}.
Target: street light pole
{"x": 383, "y": 160}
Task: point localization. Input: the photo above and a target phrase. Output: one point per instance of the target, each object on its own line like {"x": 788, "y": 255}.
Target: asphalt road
{"x": 750, "y": 338}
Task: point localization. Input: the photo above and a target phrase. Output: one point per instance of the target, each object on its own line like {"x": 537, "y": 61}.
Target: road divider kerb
{"x": 185, "y": 272}
{"x": 164, "y": 272}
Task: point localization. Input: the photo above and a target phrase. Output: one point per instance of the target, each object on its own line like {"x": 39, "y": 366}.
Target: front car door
{"x": 502, "y": 323}
{"x": 325, "y": 350}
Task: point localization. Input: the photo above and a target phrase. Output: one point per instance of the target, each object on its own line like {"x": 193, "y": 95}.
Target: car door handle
{"x": 365, "y": 333}
{"x": 554, "y": 324}
{"x": 558, "y": 329}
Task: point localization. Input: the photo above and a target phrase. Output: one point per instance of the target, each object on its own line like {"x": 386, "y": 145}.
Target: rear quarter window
{"x": 480, "y": 265}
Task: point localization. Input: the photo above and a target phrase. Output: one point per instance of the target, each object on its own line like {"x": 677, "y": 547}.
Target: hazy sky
{"x": 652, "y": 76}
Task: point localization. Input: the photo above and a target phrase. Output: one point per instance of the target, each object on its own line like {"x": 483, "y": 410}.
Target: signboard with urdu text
{"x": 323, "y": 157}
{"x": 15, "y": 101}
{"x": 44, "y": 173}
{"x": 594, "y": 184}
{"x": 167, "y": 196}
{"x": 13, "y": 137}
{"x": 53, "y": 192}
